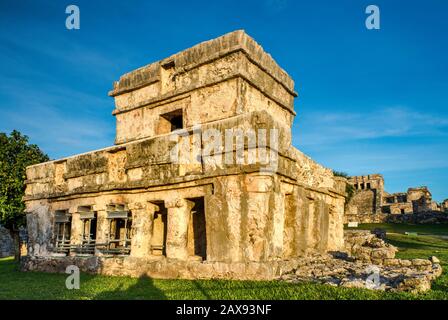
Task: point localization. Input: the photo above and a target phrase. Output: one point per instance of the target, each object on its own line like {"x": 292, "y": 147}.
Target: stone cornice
{"x": 204, "y": 53}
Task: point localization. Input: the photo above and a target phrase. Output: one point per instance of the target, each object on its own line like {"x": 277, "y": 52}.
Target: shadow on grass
{"x": 440, "y": 286}
{"x": 423, "y": 229}
{"x": 144, "y": 288}
{"x": 198, "y": 286}
{"x": 414, "y": 245}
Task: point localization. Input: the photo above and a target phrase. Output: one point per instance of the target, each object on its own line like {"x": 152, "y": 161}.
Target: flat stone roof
{"x": 202, "y": 53}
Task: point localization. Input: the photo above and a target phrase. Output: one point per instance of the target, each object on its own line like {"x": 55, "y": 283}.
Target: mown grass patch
{"x": 37, "y": 285}
{"x": 423, "y": 229}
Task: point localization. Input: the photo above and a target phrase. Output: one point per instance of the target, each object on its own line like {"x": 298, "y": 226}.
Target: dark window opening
{"x": 92, "y": 229}
{"x": 368, "y": 186}
{"x": 402, "y": 211}
{"x": 197, "y": 238}
{"x": 120, "y": 232}
{"x": 119, "y": 235}
{"x": 168, "y": 65}
{"x": 177, "y": 122}
{"x": 362, "y": 186}
{"x": 159, "y": 230}
{"x": 415, "y": 205}
{"x": 89, "y": 223}
{"x": 63, "y": 227}
{"x": 171, "y": 121}
{"x": 88, "y": 218}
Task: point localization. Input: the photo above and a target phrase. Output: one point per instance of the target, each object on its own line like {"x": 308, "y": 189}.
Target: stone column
{"x": 231, "y": 225}
{"x": 102, "y": 225}
{"x": 76, "y": 230}
{"x": 290, "y": 222}
{"x": 324, "y": 225}
{"x": 332, "y": 223}
{"x": 301, "y": 217}
{"x": 178, "y": 219}
{"x": 142, "y": 218}
{"x": 259, "y": 234}
{"x": 278, "y": 226}
{"x": 309, "y": 224}
{"x": 337, "y": 214}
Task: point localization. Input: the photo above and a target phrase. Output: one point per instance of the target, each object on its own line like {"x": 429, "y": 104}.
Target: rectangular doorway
{"x": 197, "y": 237}
{"x": 159, "y": 230}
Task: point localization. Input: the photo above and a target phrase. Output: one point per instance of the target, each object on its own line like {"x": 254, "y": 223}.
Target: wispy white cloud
{"x": 391, "y": 141}
{"x": 360, "y": 158}
{"x": 63, "y": 118}
{"x": 322, "y": 128}
{"x": 106, "y": 62}
{"x": 62, "y": 121}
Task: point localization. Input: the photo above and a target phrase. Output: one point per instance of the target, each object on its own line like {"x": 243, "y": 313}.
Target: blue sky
{"x": 369, "y": 100}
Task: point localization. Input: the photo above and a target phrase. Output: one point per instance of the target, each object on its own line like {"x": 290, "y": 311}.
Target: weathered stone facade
{"x": 6, "y": 243}
{"x": 444, "y": 206}
{"x": 130, "y": 209}
{"x": 370, "y": 203}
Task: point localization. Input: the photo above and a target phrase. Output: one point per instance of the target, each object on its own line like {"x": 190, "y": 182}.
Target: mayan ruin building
{"x": 371, "y": 203}
{"x": 129, "y": 209}
{"x": 6, "y": 243}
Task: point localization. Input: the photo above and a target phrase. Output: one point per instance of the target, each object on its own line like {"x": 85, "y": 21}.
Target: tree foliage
{"x": 340, "y": 174}
{"x": 349, "y": 189}
{"x": 16, "y": 153}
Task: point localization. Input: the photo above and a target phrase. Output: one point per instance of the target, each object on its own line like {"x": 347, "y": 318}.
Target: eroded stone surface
{"x": 367, "y": 247}
{"x": 202, "y": 218}
{"x": 6, "y": 243}
{"x": 333, "y": 271}
{"x": 368, "y": 263}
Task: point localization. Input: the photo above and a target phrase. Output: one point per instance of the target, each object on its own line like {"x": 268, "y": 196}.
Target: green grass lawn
{"x": 35, "y": 285}
{"x": 422, "y": 229}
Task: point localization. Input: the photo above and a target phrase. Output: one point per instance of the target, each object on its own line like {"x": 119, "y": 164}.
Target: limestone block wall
{"x": 368, "y": 194}
{"x": 366, "y": 218}
{"x": 6, "y": 243}
{"x": 214, "y": 80}
{"x": 147, "y": 163}
{"x": 400, "y": 208}
{"x": 364, "y": 202}
{"x": 40, "y": 224}
{"x": 207, "y": 216}
{"x": 371, "y": 204}
{"x": 253, "y": 217}
{"x": 444, "y": 205}
{"x": 421, "y": 199}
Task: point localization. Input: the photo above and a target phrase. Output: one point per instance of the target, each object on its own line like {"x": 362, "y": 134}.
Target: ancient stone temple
{"x": 134, "y": 209}
{"x": 370, "y": 203}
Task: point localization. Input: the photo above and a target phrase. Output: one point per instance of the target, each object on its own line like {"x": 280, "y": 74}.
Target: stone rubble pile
{"x": 368, "y": 263}
{"x": 367, "y": 247}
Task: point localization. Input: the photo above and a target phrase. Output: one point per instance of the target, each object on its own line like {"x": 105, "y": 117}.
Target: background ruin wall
{"x": 370, "y": 203}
